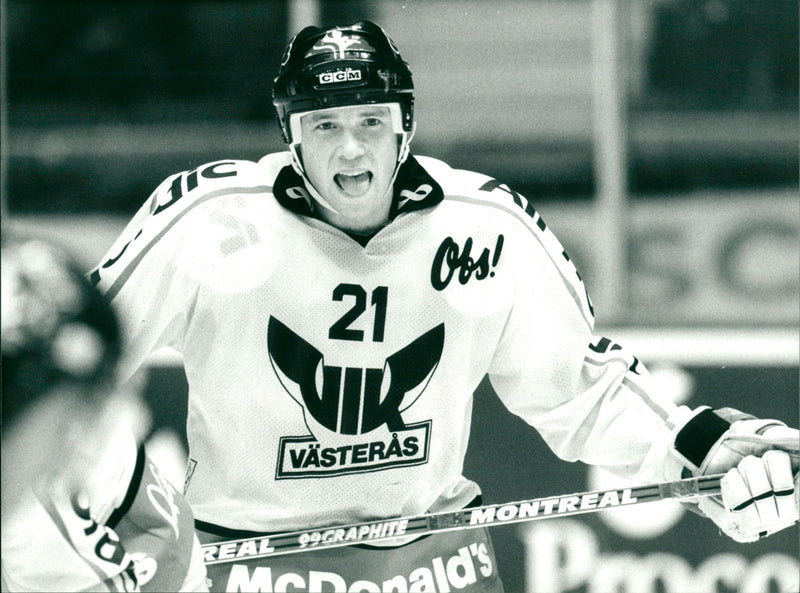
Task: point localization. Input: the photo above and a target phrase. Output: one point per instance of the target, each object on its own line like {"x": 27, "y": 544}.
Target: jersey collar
{"x": 414, "y": 189}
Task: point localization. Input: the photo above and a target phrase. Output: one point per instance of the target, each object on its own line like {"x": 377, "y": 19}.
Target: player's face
{"x": 349, "y": 155}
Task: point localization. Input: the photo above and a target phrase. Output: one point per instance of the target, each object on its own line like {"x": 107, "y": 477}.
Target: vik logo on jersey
{"x": 365, "y": 404}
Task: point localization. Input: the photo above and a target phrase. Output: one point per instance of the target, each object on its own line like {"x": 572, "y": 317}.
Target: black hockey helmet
{"x": 57, "y": 329}
{"x": 338, "y": 66}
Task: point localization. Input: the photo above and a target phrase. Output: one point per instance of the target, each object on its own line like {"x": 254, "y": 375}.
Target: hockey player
{"x": 337, "y": 304}
{"x": 82, "y": 506}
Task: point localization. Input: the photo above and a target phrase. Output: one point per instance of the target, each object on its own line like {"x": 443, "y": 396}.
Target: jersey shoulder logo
{"x": 364, "y": 405}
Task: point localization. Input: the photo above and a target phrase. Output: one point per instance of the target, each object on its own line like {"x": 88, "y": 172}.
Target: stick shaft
{"x": 483, "y": 516}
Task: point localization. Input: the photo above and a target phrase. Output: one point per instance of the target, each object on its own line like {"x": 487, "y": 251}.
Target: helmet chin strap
{"x": 297, "y": 165}
{"x": 404, "y": 145}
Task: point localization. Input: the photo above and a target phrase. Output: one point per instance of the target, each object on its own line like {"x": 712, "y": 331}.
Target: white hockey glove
{"x": 760, "y": 493}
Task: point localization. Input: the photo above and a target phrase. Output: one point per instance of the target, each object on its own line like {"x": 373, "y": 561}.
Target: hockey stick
{"x": 495, "y": 514}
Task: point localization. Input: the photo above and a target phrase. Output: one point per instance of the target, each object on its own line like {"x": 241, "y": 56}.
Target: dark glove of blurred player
{"x": 83, "y": 508}
{"x": 760, "y": 494}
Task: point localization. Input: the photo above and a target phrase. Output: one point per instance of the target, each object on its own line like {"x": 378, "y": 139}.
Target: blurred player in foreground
{"x": 83, "y": 508}
{"x": 337, "y": 304}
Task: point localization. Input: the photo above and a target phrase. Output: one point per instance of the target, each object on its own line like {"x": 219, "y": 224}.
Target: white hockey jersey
{"x": 125, "y": 529}
{"x": 331, "y": 381}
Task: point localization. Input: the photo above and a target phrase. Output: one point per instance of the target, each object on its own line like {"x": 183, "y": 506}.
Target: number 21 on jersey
{"x": 356, "y": 295}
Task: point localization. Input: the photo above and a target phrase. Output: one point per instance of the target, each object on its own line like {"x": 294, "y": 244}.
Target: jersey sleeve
{"x": 144, "y": 277}
{"x": 155, "y": 527}
{"x": 153, "y": 272}
{"x": 110, "y": 523}
{"x": 589, "y": 398}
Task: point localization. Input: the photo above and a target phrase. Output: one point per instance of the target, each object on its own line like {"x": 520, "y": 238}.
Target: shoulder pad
{"x": 176, "y": 196}
{"x": 272, "y": 164}
{"x": 199, "y": 182}
{"x": 478, "y": 189}
{"x": 473, "y": 185}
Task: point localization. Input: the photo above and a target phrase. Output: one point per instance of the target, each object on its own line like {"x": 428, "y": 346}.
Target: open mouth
{"x": 353, "y": 184}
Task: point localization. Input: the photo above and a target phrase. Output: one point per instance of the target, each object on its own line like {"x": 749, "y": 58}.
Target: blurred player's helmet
{"x": 57, "y": 329}
{"x": 339, "y": 66}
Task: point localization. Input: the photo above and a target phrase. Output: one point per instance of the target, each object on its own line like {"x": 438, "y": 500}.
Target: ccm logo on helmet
{"x": 345, "y": 75}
